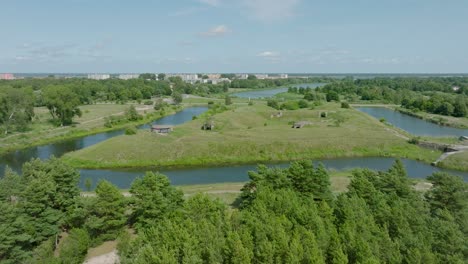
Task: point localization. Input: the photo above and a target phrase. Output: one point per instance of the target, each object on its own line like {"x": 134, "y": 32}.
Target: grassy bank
{"x": 457, "y": 122}
{"x": 247, "y": 134}
{"x": 92, "y": 122}
{"x": 457, "y": 161}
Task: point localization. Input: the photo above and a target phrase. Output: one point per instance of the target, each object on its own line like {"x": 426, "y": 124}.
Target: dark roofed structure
{"x": 161, "y": 129}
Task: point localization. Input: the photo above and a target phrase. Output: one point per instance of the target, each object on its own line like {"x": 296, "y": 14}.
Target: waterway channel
{"x": 123, "y": 178}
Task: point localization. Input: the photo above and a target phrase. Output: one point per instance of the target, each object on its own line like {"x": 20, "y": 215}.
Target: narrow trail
{"x": 109, "y": 258}
{"x": 457, "y": 148}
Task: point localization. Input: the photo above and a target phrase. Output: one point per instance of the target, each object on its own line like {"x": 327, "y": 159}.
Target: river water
{"x": 124, "y": 177}
{"x": 411, "y": 124}
{"x": 272, "y": 92}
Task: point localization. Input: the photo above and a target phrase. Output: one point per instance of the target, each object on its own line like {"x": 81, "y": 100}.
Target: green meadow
{"x": 248, "y": 134}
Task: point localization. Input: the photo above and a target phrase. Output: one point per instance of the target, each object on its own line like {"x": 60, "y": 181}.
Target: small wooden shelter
{"x": 208, "y": 125}
{"x": 161, "y": 129}
{"x": 300, "y": 124}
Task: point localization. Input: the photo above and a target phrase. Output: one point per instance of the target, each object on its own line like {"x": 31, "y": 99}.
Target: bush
{"x": 382, "y": 120}
{"x": 414, "y": 140}
{"x": 210, "y": 102}
{"x": 149, "y": 102}
{"x": 323, "y": 114}
{"x": 130, "y": 131}
{"x": 75, "y": 247}
{"x": 332, "y": 96}
{"x": 273, "y": 103}
{"x": 291, "y": 105}
{"x": 251, "y": 103}
{"x": 303, "y": 104}
{"x": 344, "y": 105}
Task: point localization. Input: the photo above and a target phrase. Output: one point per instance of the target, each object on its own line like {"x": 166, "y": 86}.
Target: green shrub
{"x": 323, "y": 114}
{"x": 148, "y": 102}
{"x": 75, "y": 247}
{"x": 345, "y": 105}
{"x": 273, "y": 103}
{"x": 414, "y": 140}
{"x": 303, "y": 104}
{"x": 382, "y": 120}
{"x": 130, "y": 130}
{"x": 291, "y": 105}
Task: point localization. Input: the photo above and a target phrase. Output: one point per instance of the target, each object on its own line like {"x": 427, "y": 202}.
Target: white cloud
{"x": 210, "y": 2}
{"x": 215, "y": 31}
{"x": 271, "y": 56}
{"x": 271, "y": 10}
{"x": 268, "y": 54}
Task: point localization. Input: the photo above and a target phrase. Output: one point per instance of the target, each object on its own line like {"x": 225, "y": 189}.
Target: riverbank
{"x": 457, "y": 161}
{"x": 75, "y": 132}
{"x": 248, "y": 134}
{"x": 449, "y": 121}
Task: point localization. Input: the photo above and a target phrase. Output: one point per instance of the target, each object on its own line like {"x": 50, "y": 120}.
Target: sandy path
{"x": 109, "y": 258}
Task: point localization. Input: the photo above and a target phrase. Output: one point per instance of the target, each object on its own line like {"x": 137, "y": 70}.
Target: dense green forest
{"x": 282, "y": 216}
{"x": 444, "y": 96}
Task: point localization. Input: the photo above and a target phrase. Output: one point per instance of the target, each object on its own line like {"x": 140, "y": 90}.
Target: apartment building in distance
{"x": 98, "y": 76}
{"x": 186, "y": 77}
{"x": 7, "y": 76}
{"x": 261, "y": 76}
{"x": 128, "y": 76}
{"x": 242, "y": 76}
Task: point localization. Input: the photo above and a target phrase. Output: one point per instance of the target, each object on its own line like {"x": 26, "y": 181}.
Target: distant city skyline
{"x": 245, "y": 36}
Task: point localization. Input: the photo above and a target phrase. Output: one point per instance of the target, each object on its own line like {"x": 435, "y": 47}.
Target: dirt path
{"x": 109, "y": 258}
{"x": 457, "y": 148}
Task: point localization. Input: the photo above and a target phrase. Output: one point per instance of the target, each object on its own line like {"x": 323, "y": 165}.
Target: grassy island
{"x": 249, "y": 134}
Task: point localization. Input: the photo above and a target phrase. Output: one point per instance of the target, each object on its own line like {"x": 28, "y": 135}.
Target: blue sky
{"x": 329, "y": 36}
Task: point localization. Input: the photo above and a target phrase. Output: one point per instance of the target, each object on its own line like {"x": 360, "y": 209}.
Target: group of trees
{"x": 16, "y": 109}
{"x": 285, "y": 215}
{"x": 291, "y": 216}
{"x": 445, "y": 96}
{"x": 439, "y": 103}
{"x": 64, "y": 96}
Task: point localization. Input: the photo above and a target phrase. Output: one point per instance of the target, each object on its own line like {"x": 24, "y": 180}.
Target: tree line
{"x": 437, "y": 95}
{"x": 283, "y": 215}
{"x": 63, "y": 97}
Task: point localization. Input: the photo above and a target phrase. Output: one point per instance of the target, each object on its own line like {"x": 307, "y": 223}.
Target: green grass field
{"x": 247, "y": 134}
{"x": 457, "y": 161}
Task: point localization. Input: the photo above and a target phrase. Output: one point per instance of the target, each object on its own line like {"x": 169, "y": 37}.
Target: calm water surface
{"x": 124, "y": 178}
{"x": 411, "y": 124}
{"x": 272, "y": 92}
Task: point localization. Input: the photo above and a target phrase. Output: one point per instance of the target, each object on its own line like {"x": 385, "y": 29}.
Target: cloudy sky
{"x": 314, "y": 36}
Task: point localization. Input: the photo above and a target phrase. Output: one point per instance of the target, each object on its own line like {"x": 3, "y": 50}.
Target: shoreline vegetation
{"x": 448, "y": 121}
{"x": 455, "y": 122}
{"x": 247, "y": 135}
